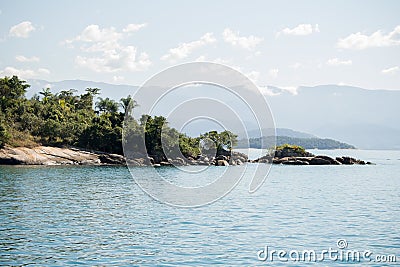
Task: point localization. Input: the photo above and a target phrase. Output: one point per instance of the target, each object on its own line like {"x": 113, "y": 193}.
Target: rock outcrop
{"x": 43, "y": 155}
{"x": 311, "y": 160}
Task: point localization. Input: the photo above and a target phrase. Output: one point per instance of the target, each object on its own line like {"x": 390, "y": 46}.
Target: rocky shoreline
{"x": 44, "y": 155}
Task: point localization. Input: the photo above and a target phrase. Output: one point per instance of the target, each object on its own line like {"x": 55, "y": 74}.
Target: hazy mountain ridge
{"x": 307, "y": 143}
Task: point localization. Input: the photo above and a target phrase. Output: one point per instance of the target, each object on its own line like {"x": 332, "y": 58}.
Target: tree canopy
{"x": 68, "y": 119}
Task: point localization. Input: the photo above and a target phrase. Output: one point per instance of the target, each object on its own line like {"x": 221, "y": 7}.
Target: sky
{"x": 281, "y": 43}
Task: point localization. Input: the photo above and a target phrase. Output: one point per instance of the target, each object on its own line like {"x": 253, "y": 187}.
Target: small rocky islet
{"x": 43, "y": 155}
{"x": 296, "y": 155}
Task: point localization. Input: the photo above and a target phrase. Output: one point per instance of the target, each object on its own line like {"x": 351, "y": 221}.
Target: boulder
{"x": 133, "y": 163}
{"x": 319, "y": 161}
{"x": 331, "y": 160}
{"x": 295, "y": 162}
{"x": 221, "y": 157}
{"x": 112, "y": 159}
{"x": 348, "y": 160}
{"x": 220, "y": 162}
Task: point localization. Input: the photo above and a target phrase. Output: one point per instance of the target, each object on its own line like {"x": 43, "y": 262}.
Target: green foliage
{"x": 4, "y": 135}
{"x": 225, "y": 140}
{"x": 12, "y": 92}
{"x": 190, "y": 147}
{"x": 65, "y": 118}
{"x": 107, "y": 105}
{"x": 128, "y": 104}
{"x": 296, "y": 149}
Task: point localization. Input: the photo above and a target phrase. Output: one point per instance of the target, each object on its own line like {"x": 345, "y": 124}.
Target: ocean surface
{"x": 98, "y": 216}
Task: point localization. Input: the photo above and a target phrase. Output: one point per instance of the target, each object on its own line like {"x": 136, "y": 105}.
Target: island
{"x": 69, "y": 129}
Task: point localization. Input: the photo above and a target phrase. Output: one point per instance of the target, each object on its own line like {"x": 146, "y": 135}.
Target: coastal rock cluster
{"x": 43, "y": 155}
{"x": 294, "y": 156}
{"x": 224, "y": 159}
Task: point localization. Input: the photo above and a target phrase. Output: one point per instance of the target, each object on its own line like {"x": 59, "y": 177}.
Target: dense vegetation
{"x": 307, "y": 143}
{"x": 68, "y": 119}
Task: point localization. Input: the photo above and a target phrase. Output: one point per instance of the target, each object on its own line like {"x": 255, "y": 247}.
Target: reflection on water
{"x": 62, "y": 216}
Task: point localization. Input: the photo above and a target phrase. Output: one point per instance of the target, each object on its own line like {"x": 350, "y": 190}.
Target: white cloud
{"x": 273, "y": 73}
{"x": 106, "y": 53}
{"x": 253, "y": 75}
{"x": 215, "y": 60}
{"x": 234, "y": 39}
{"x": 290, "y": 89}
{"x": 337, "y": 62}
{"x": 43, "y": 71}
{"x": 24, "y": 73}
{"x": 270, "y": 91}
{"x": 118, "y": 78}
{"x": 22, "y": 30}
{"x": 265, "y": 90}
{"x": 201, "y": 58}
{"x": 300, "y": 30}
{"x": 21, "y": 58}
{"x": 295, "y": 65}
{"x": 377, "y": 39}
{"x": 183, "y": 50}
{"x": 112, "y": 61}
{"x": 93, "y": 33}
{"x": 392, "y": 70}
{"x": 134, "y": 27}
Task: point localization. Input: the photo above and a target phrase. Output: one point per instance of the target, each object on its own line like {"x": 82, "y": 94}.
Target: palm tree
{"x": 107, "y": 105}
{"x": 128, "y": 104}
{"x": 46, "y": 93}
{"x": 93, "y": 91}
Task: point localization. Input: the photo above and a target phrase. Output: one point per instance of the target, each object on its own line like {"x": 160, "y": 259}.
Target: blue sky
{"x": 281, "y": 43}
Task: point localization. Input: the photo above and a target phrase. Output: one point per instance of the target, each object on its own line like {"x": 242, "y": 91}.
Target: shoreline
{"x": 74, "y": 156}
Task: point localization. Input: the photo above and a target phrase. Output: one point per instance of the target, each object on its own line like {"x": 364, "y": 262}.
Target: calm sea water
{"x": 61, "y": 216}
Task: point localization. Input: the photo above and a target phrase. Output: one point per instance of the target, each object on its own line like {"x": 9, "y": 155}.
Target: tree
{"x": 12, "y": 92}
{"x": 93, "y": 91}
{"x": 223, "y": 141}
{"x": 128, "y": 104}
{"x": 46, "y": 93}
{"x": 86, "y": 100}
{"x": 67, "y": 118}
{"x": 107, "y": 105}
{"x": 4, "y": 135}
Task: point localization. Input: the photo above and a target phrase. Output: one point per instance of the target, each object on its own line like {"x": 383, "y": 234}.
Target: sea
{"x": 300, "y": 215}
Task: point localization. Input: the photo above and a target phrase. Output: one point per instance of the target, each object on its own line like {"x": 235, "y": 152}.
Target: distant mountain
{"x": 368, "y": 119}
{"x": 112, "y": 91}
{"x": 279, "y": 132}
{"x": 307, "y": 143}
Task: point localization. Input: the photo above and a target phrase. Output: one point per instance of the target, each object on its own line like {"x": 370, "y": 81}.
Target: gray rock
{"x": 319, "y": 161}
{"x": 295, "y": 162}
{"x": 331, "y": 160}
{"x": 221, "y": 163}
{"x": 112, "y": 159}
